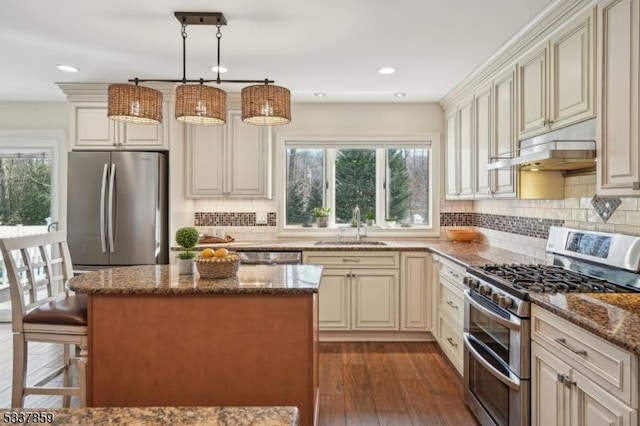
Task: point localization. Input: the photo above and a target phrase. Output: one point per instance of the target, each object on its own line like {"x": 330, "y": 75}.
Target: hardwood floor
{"x": 360, "y": 383}
{"x": 389, "y": 384}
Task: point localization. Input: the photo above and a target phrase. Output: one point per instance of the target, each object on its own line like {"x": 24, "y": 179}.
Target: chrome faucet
{"x": 355, "y": 217}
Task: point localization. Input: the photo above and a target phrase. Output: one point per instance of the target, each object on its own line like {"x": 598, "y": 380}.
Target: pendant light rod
{"x": 197, "y": 80}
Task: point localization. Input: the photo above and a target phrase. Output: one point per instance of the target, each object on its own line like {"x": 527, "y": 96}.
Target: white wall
{"x": 34, "y": 116}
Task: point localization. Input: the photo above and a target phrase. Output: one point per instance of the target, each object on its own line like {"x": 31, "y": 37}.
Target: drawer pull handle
{"x": 453, "y": 305}
{"x": 451, "y": 342}
{"x": 350, "y": 260}
{"x": 563, "y": 342}
{"x": 453, "y": 274}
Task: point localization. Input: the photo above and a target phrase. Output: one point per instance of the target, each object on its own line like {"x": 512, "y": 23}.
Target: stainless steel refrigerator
{"x": 117, "y": 209}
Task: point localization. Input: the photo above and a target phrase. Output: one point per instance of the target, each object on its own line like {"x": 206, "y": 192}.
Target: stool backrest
{"x": 38, "y": 267}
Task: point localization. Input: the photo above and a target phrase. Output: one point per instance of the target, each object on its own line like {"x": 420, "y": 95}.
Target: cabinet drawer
{"x": 452, "y": 271}
{"x": 450, "y": 339}
{"x": 451, "y": 301}
{"x": 610, "y": 366}
{"x": 350, "y": 259}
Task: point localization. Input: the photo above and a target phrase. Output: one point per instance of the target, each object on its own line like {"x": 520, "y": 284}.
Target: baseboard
{"x": 376, "y": 336}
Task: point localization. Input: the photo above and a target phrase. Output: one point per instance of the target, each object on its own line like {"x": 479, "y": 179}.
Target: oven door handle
{"x": 512, "y": 381}
{"x": 512, "y": 325}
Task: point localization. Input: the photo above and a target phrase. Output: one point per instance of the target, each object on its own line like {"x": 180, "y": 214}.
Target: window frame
{"x": 431, "y": 140}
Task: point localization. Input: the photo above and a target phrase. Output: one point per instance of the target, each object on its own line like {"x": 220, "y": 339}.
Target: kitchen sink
{"x": 351, "y": 243}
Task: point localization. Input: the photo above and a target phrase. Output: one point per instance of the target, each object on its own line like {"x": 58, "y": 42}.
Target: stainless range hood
{"x": 569, "y": 148}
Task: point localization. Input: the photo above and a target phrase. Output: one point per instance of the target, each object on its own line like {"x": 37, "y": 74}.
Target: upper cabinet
{"x": 229, "y": 161}
{"x": 92, "y": 129}
{"x": 618, "y": 166}
{"x": 459, "y": 152}
{"x": 556, "y": 79}
{"x": 503, "y": 113}
{"x": 482, "y": 132}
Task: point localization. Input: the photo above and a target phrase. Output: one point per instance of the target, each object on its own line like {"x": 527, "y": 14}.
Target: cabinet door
{"x": 504, "y": 135}
{"x": 482, "y": 107}
{"x": 148, "y": 136}
{"x": 618, "y": 166}
{"x": 593, "y": 406}
{"x": 532, "y": 93}
{"x": 374, "y": 299}
{"x": 91, "y": 128}
{"x": 465, "y": 142}
{"x": 452, "y": 154}
{"x": 334, "y": 299}
{"x": 249, "y": 152}
{"x": 550, "y": 403}
{"x": 415, "y": 291}
{"x": 206, "y": 164}
{"x": 572, "y": 79}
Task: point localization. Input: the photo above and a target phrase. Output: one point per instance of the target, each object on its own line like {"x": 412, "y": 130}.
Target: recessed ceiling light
{"x": 214, "y": 68}
{"x": 67, "y": 68}
{"x": 387, "y": 70}
{"x": 319, "y": 95}
{"x": 399, "y": 94}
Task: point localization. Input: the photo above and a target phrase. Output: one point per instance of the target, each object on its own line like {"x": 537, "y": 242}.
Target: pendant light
{"x": 195, "y": 102}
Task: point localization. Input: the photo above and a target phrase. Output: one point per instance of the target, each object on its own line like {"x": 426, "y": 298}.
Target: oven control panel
{"x": 497, "y": 296}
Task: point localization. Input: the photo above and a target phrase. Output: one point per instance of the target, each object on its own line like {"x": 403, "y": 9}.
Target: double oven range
{"x": 497, "y": 339}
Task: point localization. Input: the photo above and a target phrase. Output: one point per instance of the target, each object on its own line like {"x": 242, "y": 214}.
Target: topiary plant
{"x": 187, "y": 237}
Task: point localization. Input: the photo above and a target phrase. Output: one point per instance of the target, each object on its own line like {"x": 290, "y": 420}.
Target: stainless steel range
{"x": 497, "y": 309}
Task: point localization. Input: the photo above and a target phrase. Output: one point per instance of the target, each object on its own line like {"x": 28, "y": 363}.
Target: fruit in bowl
{"x": 462, "y": 234}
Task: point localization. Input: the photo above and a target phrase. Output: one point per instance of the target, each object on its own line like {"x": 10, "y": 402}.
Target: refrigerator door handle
{"x": 110, "y": 207}
{"x": 103, "y": 200}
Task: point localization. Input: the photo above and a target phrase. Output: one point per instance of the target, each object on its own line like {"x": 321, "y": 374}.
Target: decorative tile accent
{"x": 605, "y": 206}
{"x": 231, "y": 219}
{"x": 457, "y": 219}
{"x": 528, "y": 226}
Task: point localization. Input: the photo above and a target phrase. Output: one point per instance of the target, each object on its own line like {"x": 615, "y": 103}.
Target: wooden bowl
{"x": 462, "y": 235}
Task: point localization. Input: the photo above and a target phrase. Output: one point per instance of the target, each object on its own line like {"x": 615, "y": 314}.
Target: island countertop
{"x": 164, "y": 279}
{"x": 275, "y": 416}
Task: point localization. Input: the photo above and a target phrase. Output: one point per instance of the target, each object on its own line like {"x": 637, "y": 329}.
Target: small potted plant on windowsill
{"x": 371, "y": 217}
{"x": 187, "y": 238}
{"x": 322, "y": 215}
{"x": 390, "y": 221}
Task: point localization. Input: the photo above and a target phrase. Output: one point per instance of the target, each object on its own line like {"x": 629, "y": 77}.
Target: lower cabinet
{"x": 449, "y": 304}
{"x": 578, "y": 378}
{"x": 373, "y": 291}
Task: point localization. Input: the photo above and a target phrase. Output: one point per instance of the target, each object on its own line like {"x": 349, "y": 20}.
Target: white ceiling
{"x": 308, "y": 46}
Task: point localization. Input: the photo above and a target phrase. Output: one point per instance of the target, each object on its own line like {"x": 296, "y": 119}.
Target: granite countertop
{"x": 473, "y": 254}
{"x": 202, "y": 416}
{"x": 164, "y": 279}
{"x": 613, "y": 316}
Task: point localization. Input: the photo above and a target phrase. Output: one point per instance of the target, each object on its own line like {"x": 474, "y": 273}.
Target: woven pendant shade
{"x": 200, "y": 104}
{"x": 134, "y": 104}
{"x": 266, "y": 105}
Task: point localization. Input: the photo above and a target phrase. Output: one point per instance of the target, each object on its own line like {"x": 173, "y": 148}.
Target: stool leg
{"x": 19, "y": 370}
{"x": 82, "y": 372}
{"x": 66, "y": 399}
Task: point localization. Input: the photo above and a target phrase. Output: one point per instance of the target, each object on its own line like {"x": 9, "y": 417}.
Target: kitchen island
{"x": 161, "y": 339}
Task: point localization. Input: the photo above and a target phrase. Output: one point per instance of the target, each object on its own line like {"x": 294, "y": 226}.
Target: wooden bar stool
{"x": 42, "y": 310}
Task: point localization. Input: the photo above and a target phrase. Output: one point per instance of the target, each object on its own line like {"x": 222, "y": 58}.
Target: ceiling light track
{"x": 196, "y": 103}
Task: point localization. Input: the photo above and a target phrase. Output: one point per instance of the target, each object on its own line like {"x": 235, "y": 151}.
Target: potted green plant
{"x": 321, "y": 214}
{"x": 371, "y": 217}
{"x": 390, "y": 221}
{"x": 187, "y": 237}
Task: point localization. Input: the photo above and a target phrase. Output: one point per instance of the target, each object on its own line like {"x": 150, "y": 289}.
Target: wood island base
{"x": 204, "y": 350}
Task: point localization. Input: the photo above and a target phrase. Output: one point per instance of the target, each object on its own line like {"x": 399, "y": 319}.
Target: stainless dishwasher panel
{"x": 270, "y": 257}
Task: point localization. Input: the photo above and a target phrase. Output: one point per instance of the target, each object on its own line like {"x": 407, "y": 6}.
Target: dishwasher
{"x": 270, "y": 257}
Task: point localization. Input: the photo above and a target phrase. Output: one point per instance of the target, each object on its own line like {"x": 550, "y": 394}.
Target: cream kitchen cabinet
{"x": 618, "y": 166}
{"x": 503, "y": 118}
{"x": 459, "y": 152}
{"x": 232, "y": 161}
{"x": 482, "y": 103}
{"x": 449, "y": 303}
{"x": 359, "y": 290}
{"x": 415, "y": 291}
{"x": 556, "y": 79}
{"x": 578, "y": 378}
{"x": 90, "y": 128}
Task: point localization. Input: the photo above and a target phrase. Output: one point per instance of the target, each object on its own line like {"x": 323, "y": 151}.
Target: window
{"x": 385, "y": 179}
